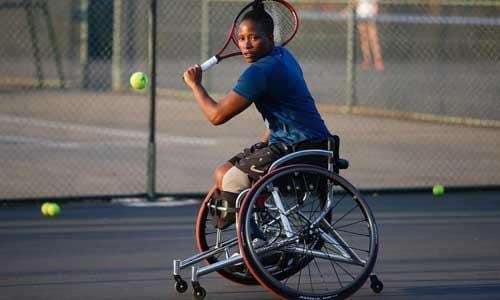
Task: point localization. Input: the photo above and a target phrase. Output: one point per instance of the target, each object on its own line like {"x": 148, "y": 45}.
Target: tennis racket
{"x": 286, "y": 24}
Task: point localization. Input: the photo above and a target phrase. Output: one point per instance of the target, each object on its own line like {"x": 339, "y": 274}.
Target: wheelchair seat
{"x": 329, "y": 159}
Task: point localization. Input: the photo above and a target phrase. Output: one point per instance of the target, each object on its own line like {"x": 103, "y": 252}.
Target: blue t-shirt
{"x": 275, "y": 83}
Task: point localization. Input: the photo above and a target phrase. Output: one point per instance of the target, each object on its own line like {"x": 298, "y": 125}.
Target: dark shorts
{"x": 256, "y": 160}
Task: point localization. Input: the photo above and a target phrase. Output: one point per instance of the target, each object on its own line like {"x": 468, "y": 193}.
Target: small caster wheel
{"x": 181, "y": 286}
{"x": 376, "y": 285}
{"x": 199, "y": 293}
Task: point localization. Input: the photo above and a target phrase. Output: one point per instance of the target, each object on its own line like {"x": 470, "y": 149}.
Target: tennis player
{"x": 274, "y": 82}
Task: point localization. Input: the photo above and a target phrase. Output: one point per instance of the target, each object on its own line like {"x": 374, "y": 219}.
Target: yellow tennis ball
{"x": 138, "y": 80}
{"x": 53, "y": 210}
{"x": 44, "y": 208}
{"x": 438, "y": 190}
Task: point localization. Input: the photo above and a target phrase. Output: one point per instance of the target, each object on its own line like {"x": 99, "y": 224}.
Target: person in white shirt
{"x": 366, "y": 12}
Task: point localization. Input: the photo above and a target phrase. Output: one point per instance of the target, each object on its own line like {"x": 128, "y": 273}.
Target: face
{"x": 253, "y": 42}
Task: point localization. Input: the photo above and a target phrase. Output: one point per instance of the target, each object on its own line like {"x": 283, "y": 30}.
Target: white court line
{"x": 10, "y": 139}
{"x": 44, "y": 142}
{"x": 134, "y": 134}
{"x": 145, "y": 203}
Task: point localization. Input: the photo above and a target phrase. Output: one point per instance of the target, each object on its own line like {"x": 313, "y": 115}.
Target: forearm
{"x": 216, "y": 112}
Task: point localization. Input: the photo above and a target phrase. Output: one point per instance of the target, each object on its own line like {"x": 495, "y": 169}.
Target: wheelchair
{"x": 320, "y": 239}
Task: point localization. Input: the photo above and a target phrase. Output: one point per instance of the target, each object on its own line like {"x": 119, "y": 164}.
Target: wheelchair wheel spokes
{"x": 321, "y": 254}
{"x": 214, "y": 237}
{"x": 208, "y": 238}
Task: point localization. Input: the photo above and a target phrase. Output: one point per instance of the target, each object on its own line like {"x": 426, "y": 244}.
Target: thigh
{"x": 363, "y": 29}
{"x": 257, "y": 161}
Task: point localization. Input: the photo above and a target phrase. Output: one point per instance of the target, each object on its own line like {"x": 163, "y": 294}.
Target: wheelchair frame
{"x": 347, "y": 255}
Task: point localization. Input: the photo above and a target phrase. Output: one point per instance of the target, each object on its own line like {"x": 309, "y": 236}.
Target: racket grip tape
{"x": 212, "y": 61}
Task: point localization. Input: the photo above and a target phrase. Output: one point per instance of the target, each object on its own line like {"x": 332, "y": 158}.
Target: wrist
{"x": 195, "y": 85}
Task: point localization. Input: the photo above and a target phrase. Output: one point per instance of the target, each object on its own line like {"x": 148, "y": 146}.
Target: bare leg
{"x": 365, "y": 46}
{"x": 375, "y": 46}
{"x": 219, "y": 173}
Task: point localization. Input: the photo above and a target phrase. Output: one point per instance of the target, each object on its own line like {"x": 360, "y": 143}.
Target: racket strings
{"x": 284, "y": 21}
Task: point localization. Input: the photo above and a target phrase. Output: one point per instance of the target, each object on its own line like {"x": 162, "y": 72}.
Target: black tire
{"x": 334, "y": 272}
{"x": 199, "y": 293}
{"x": 181, "y": 286}
{"x": 375, "y": 284}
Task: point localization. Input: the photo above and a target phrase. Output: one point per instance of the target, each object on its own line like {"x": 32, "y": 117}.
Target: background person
{"x": 366, "y": 11}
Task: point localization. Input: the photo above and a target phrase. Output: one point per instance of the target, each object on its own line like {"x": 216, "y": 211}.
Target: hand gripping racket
{"x": 286, "y": 24}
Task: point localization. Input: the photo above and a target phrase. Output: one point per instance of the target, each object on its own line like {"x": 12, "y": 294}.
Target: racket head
{"x": 286, "y": 25}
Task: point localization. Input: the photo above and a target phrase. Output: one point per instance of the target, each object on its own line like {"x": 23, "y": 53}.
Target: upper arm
{"x": 229, "y": 106}
{"x": 249, "y": 87}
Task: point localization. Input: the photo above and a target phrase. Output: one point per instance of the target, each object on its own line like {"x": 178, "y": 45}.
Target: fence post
{"x": 116, "y": 64}
{"x": 84, "y": 50}
{"x": 205, "y": 39}
{"x": 28, "y": 8}
{"x": 351, "y": 58}
{"x": 53, "y": 43}
{"x": 152, "y": 98}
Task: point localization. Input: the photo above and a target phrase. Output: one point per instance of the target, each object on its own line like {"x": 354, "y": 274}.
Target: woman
{"x": 366, "y": 11}
{"x": 274, "y": 82}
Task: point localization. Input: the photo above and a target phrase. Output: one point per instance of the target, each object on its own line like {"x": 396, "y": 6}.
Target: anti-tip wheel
{"x": 181, "y": 286}
{"x": 376, "y": 285}
{"x": 199, "y": 293}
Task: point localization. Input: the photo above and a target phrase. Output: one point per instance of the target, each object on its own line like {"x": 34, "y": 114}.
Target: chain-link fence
{"x": 411, "y": 89}
{"x": 67, "y": 126}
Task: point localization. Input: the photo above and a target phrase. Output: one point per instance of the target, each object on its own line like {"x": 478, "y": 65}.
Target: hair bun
{"x": 258, "y": 5}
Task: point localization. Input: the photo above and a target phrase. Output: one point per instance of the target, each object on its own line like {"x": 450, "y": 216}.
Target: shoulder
{"x": 275, "y": 57}
{"x": 263, "y": 66}
{"x": 278, "y": 54}
{"x": 254, "y": 71}
{"x": 253, "y": 81}
{"x": 268, "y": 65}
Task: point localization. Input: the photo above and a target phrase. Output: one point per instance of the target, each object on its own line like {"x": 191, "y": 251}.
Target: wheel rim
{"x": 325, "y": 275}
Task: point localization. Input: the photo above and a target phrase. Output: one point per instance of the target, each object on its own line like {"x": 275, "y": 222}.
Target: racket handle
{"x": 212, "y": 61}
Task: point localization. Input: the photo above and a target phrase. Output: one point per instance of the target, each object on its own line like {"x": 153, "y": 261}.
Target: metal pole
{"x": 152, "y": 97}
{"x": 53, "y": 42}
{"x": 116, "y": 69}
{"x": 205, "y": 39}
{"x": 351, "y": 59}
{"x": 84, "y": 43}
{"x": 28, "y": 7}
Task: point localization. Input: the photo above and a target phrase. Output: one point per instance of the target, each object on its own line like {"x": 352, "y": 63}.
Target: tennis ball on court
{"x": 44, "y": 208}
{"x": 138, "y": 80}
{"x": 53, "y": 210}
{"x": 438, "y": 190}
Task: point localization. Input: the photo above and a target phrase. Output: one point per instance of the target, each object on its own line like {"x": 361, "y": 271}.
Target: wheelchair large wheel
{"x": 206, "y": 239}
{"x": 336, "y": 248}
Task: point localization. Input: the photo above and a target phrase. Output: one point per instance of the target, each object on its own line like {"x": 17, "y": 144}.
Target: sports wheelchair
{"x": 320, "y": 239}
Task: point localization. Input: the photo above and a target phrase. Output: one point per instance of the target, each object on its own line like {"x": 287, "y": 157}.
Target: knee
{"x": 235, "y": 181}
{"x": 219, "y": 173}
